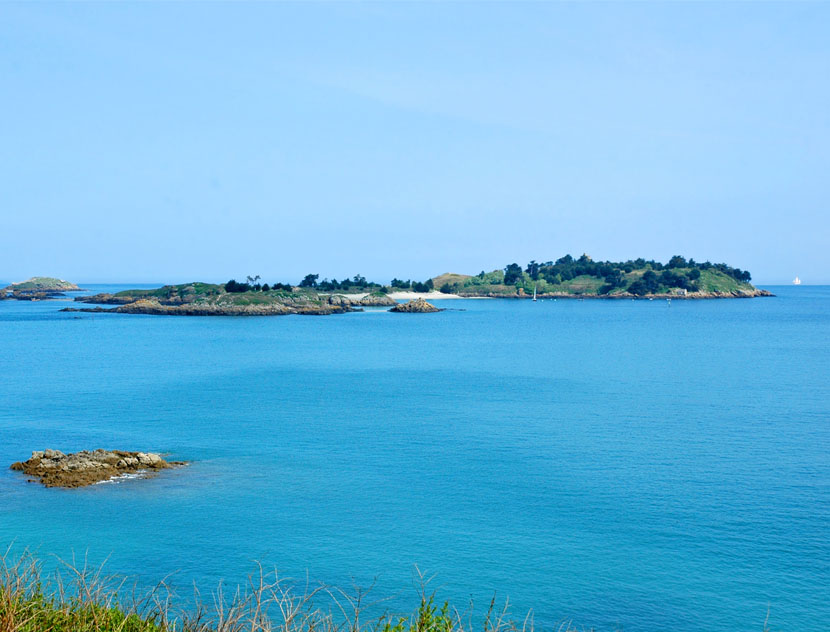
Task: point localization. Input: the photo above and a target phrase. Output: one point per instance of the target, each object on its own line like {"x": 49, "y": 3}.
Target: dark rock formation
{"x": 415, "y": 306}
{"x": 56, "y": 469}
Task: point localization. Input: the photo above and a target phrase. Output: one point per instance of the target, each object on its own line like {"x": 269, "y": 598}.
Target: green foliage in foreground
{"x": 40, "y": 614}
{"x": 83, "y": 600}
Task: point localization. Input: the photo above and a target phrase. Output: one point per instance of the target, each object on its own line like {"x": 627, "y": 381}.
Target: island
{"x": 569, "y": 277}
{"x": 231, "y": 299}
{"x": 566, "y": 277}
{"x": 37, "y": 288}
{"x": 53, "y": 468}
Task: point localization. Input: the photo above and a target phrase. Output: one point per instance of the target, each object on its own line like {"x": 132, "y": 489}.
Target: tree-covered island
{"x": 566, "y": 277}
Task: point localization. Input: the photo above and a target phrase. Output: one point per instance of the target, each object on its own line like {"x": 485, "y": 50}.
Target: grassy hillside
{"x": 451, "y": 279}
{"x": 43, "y": 284}
{"x": 211, "y": 293}
{"x": 190, "y": 290}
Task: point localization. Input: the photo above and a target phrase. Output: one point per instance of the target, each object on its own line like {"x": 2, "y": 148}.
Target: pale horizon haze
{"x": 171, "y": 142}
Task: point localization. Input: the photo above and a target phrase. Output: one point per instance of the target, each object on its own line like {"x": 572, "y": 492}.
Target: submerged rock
{"x": 415, "y": 306}
{"x": 78, "y": 469}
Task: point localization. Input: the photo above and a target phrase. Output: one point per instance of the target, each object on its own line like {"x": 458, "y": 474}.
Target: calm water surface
{"x": 618, "y": 464}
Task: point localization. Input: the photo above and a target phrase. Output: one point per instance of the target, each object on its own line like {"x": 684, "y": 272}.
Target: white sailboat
{"x": 534, "y": 292}
{"x": 796, "y": 281}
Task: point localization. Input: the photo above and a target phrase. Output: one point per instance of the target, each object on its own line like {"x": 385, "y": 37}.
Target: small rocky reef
{"x": 415, "y": 306}
{"x": 55, "y": 469}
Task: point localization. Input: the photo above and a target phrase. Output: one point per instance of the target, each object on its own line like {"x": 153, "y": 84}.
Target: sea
{"x": 619, "y": 465}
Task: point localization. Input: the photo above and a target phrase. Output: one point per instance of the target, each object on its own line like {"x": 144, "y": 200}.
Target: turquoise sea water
{"x": 621, "y": 464}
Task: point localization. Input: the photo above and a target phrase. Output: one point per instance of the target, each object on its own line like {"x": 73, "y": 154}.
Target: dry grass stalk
{"x": 78, "y": 597}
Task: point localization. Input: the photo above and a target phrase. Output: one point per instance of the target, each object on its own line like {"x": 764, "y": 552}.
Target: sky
{"x": 172, "y": 142}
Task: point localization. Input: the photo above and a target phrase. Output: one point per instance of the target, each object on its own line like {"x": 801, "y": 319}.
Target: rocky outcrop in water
{"x": 55, "y": 469}
{"x": 415, "y": 306}
{"x": 219, "y": 307}
{"x": 204, "y": 309}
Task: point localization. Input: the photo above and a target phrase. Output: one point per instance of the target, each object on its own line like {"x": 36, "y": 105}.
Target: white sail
{"x": 796, "y": 281}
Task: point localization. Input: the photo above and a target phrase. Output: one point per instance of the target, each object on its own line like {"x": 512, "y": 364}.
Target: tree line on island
{"x": 253, "y": 285}
{"x": 356, "y": 284}
{"x": 638, "y": 277}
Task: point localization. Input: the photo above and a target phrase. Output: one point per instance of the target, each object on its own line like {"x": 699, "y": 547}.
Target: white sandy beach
{"x": 430, "y": 296}
{"x": 405, "y": 296}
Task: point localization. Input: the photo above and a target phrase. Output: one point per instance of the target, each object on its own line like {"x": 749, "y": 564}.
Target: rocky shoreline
{"x": 53, "y": 468}
{"x": 226, "y": 304}
{"x": 756, "y": 293}
{"x": 165, "y": 308}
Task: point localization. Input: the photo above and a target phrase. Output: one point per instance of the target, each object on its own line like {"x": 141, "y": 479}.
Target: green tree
{"x": 512, "y": 274}
{"x": 533, "y": 270}
{"x": 310, "y": 280}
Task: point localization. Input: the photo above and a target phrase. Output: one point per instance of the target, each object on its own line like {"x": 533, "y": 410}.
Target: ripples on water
{"x": 614, "y": 463}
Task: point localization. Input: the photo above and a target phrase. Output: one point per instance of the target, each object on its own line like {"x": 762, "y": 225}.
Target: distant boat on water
{"x": 796, "y": 281}
{"x": 534, "y": 292}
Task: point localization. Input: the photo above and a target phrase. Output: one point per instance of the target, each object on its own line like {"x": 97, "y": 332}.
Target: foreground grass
{"x": 82, "y": 599}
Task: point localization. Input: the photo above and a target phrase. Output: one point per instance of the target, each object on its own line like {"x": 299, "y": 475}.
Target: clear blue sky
{"x": 180, "y": 141}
